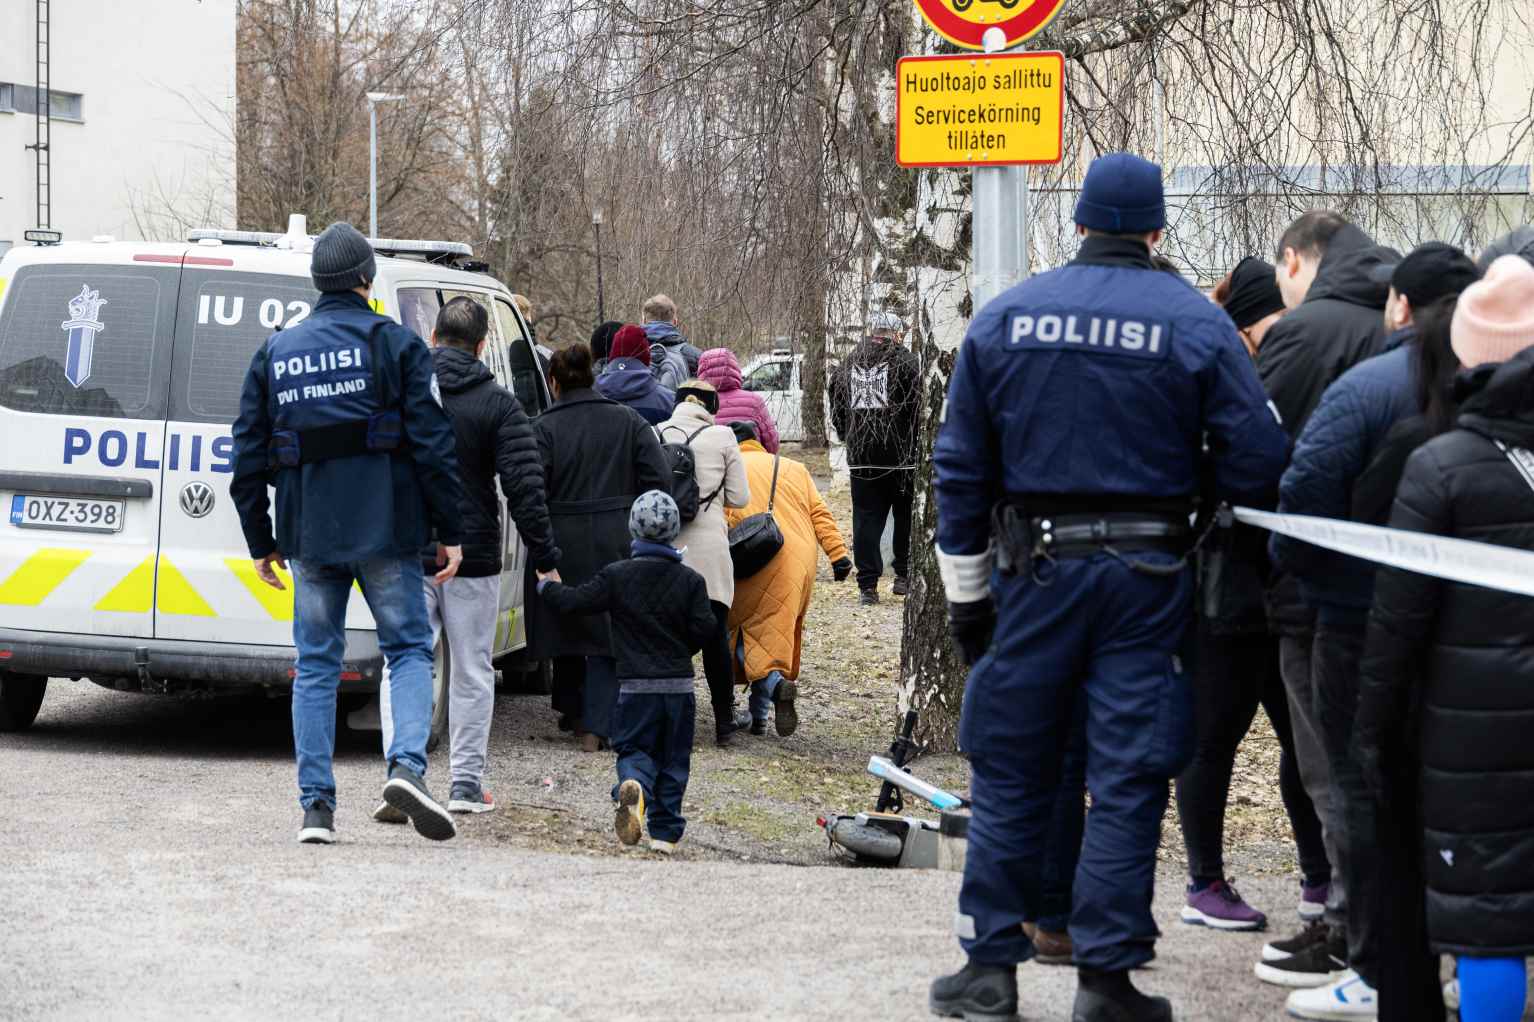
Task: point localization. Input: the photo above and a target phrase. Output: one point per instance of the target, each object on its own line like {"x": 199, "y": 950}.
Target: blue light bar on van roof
{"x": 383, "y": 246}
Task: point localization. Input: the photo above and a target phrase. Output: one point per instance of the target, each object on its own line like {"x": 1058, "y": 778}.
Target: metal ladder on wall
{"x": 43, "y": 110}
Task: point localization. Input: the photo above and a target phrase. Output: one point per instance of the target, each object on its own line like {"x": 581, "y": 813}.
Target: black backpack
{"x": 684, "y": 476}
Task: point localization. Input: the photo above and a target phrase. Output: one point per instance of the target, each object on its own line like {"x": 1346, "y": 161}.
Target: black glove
{"x": 971, "y": 625}
{"x": 841, "y": 569}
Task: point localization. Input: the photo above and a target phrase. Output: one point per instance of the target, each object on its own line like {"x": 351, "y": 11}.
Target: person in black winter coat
{"x": 1350, "y": 427}
{"x": 1446, "y": 704}
{"x": 661, "y": 618}
{"x": 875, "y": 404}
{"x": 1236, "y": 670}
{"x": 494, "y": 440}
{"x": 1326, "y": 276}
{"x": 597, "y": 457}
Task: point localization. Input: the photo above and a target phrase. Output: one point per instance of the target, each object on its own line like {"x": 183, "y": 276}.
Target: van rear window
{"x": 87, "y": 339}
{"x": 224, "y": 319}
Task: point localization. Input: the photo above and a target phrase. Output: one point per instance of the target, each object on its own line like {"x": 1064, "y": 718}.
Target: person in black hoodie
{"x": 1446, "y": 700}
{"x": 1330, "y": 477}
{"x": 1326, "y": 276}
{"x": 494, "y": 441}
{"x": 875, "y": 397}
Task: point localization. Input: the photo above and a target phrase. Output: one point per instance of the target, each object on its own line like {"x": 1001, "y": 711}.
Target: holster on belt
{"x": 1012, "y": 537}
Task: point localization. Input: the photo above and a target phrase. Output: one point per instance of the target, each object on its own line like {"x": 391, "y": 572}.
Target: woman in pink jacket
{"x": 719, "y": 367}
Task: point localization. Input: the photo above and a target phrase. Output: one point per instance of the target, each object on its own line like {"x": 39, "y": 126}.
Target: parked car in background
{"x": 778, "y": 377}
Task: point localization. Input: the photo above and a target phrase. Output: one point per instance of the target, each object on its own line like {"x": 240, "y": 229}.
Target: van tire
{"x": 21, "y": 696}
{"x": 442, "y": 665}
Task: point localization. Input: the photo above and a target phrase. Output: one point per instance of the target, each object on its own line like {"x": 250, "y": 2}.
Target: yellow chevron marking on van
{"x": 39, "y": 575}
{"x": 174, "y": 594}
{"x": 135, "y": 593}
{"x": 2, "y": 287}
{"x": 277, "y": 602}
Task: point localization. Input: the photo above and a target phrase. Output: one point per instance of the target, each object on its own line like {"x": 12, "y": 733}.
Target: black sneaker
{"x": 868, "y": 597}
{"x": 466, "y": 797}
{"x": 901, "y": 586}
{"x": 976, "y": 993}
{"x": 319, "y": 826}
{"x": 723, "y": 733}
{"x": 1110, "y": 997}
{"x": 406, "y": 792}
{"x": 1312, "y": 935}
{"x": 1316, "y": 966}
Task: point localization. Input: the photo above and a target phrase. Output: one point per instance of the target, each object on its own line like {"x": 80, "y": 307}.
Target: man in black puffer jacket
{"x": 1326, "y": 270}
{"x": 1446, "y": 701}
{"x": 495, "y": 440}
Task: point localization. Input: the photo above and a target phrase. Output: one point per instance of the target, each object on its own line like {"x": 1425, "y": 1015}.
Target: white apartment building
{"x": 142, "y": 126}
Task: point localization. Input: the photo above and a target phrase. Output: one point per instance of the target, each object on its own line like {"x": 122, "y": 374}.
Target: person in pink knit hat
{"x": 1446, "y": 686}
{"x": 1494, "y": 319}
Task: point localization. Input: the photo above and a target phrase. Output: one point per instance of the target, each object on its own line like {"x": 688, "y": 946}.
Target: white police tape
{"x": 1458, "y": 560}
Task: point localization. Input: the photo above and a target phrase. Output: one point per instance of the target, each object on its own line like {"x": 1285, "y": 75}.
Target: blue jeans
{"x": 762, "y": 689}
{"x": 392, "y": 589}
{"x": 652, "y": 735}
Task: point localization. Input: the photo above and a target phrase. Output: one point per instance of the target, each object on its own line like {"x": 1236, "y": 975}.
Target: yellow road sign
{"x": 976, "y": 111}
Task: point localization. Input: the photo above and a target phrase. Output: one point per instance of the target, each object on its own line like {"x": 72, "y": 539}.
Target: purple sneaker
{"x": 1219, "y": 906}
{"x": 1313, "y": 900}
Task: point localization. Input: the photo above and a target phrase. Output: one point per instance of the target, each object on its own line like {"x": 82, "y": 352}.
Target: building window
{"x": 22, "y": 99}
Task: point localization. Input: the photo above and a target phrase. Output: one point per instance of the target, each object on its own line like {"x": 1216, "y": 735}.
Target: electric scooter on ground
{"x": 888, "y": 836}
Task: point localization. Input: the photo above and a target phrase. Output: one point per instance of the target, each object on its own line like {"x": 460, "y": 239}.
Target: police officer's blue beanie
{"x": 1122, "y": 195}
{"x": 342, "y": 260}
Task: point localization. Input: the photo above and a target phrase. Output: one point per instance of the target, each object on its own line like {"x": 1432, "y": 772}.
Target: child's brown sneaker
{"x": 628, "y": 820}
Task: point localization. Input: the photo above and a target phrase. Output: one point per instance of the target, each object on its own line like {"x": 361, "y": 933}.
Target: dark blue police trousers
{"x": 1094, "y": 628}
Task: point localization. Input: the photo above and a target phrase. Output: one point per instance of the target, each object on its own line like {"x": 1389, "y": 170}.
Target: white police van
{"x": 121, "y": 555}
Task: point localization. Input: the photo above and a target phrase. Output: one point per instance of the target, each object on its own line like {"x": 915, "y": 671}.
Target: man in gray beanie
{"x": 342, "y": 414}
{"x": 661, "y": 617}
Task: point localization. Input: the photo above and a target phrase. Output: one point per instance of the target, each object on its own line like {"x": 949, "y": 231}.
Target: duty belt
{"x": 1026, "y": 543}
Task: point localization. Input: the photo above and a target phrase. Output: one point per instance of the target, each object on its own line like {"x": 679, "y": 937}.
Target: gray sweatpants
{"x": 464, "y": 609}
{"x": 1295, "y": 664}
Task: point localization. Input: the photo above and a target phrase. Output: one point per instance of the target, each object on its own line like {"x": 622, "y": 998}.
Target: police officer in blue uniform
{"x": 1065, "y": 474}
{"x": 343, "y": 415}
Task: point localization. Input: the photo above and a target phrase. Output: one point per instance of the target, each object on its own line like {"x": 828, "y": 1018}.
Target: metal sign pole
{"x": 998, "y": 221}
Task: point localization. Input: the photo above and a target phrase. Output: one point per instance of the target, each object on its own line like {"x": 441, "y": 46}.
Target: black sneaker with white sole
{"x": 1312, "y": 935}
{"x": 319, "y": 826}
{"x": 406, "y": 792}
{"x": 1315, "y": 966}
{"x": 467, "y": 797}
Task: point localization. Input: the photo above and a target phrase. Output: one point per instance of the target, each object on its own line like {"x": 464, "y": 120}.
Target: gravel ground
{"x": 151, "y": 872}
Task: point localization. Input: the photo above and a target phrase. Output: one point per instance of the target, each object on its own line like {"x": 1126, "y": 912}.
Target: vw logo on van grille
{"x": 197, "y": 499}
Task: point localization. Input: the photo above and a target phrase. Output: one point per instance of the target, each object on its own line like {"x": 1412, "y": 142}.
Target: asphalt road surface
{"x": 150, "y": 872}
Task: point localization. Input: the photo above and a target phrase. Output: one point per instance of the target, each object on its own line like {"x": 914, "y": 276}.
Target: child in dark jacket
{"x": 660, "y": 618}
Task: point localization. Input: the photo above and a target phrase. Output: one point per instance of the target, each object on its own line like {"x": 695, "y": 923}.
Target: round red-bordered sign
{"x": 965, "y": 22}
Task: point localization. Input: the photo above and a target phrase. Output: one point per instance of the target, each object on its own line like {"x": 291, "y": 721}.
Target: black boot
{"x": 976, "y": 993}
{"x": 1110, "y": 997}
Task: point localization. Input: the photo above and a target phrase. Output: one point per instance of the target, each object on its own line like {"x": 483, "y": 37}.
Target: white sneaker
{"x": 1451, "y": 995}
{"x": 664, "y": 847}
{"x": 1345, "y": 998}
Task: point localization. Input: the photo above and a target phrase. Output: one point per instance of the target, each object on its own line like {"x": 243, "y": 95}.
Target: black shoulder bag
{"x": 756, "y": 540}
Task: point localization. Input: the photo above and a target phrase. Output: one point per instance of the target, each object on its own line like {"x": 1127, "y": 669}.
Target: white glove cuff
{"x": 966, "y": 577}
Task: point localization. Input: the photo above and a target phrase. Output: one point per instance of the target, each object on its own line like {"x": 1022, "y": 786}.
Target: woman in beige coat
{"x": 705, "y": 541}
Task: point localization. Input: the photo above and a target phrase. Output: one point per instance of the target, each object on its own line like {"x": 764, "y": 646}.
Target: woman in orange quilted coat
{"x": 767, "y": 617}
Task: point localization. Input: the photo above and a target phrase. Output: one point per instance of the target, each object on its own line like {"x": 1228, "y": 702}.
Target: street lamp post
{"x": 596, "y": 223}
{"x": 375, "y": 98}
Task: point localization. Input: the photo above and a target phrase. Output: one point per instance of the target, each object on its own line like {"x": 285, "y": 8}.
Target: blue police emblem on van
{"x": 82, "y": 326}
